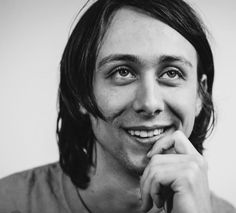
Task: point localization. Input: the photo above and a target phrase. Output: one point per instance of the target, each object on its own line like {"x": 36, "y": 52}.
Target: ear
{"x": 83, "y": 110}
{"x": 203, "y": 85}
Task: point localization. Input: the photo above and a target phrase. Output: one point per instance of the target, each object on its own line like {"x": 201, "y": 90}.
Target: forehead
{"x": 136, "y": 33}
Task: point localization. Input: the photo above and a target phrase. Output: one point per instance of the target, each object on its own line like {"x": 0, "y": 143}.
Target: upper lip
{"x": 147, "y": 128}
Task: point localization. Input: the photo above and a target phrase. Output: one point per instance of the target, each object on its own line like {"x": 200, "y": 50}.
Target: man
{"x": 134, "y": 109}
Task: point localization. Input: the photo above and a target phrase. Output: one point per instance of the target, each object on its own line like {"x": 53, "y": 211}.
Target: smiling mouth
{"x": 147, "y": 135}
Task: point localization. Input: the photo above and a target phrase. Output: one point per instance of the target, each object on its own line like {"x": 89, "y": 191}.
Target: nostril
{"x": 149, "y": 106}
{"x": 148, "y": 114}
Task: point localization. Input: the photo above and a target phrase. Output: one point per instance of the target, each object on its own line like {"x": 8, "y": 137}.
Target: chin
{"x": 137, "y": 168}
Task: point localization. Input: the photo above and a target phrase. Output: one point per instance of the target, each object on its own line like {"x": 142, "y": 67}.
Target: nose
{"x": 149, "y": 98}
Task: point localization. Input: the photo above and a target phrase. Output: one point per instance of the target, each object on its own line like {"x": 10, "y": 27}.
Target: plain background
{"x": 32, "y": 38}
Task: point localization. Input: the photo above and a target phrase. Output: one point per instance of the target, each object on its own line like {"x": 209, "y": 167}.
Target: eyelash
{"x": 120, "y": 79}
{"x": 122, "y": 69}
{"x": 176, "y": 72}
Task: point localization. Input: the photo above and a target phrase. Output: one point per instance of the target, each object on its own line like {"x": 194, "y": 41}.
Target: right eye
{"x": 122, "y": 75}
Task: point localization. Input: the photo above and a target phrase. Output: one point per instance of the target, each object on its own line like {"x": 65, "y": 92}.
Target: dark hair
{"x": 75, "y": 135}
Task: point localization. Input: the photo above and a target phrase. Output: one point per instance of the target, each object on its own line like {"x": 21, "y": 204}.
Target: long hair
{"x": 74, "y": 131}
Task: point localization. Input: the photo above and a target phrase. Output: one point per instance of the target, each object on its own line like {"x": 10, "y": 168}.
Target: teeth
{"x": 145, "y": 134}
{"x": 158, "y": 131}
{"x": 150, "y": 133}
{"x": 131, "y": 132}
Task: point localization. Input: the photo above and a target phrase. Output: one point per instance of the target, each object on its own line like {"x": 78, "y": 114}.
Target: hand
{"x": 182, "y": 171}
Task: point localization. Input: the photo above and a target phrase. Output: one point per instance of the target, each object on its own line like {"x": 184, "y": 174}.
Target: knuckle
{"x": 152, "y": 173}
{"x": 153, "y": 160}
{"x": 193, "y": 167}
{"x": 157, "y": 176}
{"x": 155, "y": 173}
{"x": 195, "y": 170}
{"x": 178, "y": 134}
{"x": 201, "y": 162}
{"x": 190, "y": 177}
{"x": 191, "y": 171}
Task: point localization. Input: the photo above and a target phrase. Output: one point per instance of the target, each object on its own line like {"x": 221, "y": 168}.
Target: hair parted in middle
{"x": 78, "y": 63}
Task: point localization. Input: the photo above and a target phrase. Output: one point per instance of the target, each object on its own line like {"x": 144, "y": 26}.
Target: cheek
{"x": 182, "y": 103}
{"x": 113, "y": 100}
{"x": 188, "y": 115}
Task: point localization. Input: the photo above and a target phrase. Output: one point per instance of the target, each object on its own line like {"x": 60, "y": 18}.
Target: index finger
{"x": 177, "y": 141}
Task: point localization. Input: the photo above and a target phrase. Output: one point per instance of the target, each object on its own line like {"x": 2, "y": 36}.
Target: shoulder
{"x": 29, "y": 174}
{"x": 220, "y": 205}
{"x": 26, "y": 180}
{"x": 32, "y": 189}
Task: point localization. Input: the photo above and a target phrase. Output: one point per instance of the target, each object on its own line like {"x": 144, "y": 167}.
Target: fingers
{"x": 174, "y": 162}
{"x": 175, "y": 143}
{"x": 150, "y": 189}
{"x": 146, "y": 188}
{"x": 155, "y": 185}
{"x": 181, "y": 178}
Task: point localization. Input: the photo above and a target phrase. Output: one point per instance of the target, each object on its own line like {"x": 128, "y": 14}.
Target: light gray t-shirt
{"x": 47, "y": 189}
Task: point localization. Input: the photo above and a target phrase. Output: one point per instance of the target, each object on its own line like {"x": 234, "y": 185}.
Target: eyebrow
{"x": 164, "y": 59}
{"x": 170, "y": 59}
{"x": 119, "y": 57}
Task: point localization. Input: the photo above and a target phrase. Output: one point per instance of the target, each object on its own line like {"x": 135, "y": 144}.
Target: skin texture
{"x": 146, "y": 77}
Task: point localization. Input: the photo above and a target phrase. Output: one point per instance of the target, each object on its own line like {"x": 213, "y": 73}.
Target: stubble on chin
{"x": 135, "y": 169}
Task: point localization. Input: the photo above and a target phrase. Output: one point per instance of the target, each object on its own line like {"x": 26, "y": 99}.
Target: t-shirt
{"x": 47, "y": 189}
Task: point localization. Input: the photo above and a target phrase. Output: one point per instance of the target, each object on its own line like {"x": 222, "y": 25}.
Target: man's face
{"x": 145, "y": 84}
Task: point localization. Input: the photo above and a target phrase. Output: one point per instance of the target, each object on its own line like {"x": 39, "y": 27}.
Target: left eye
{"x": 172, "y": 74}
{"x": 123, "y": 72}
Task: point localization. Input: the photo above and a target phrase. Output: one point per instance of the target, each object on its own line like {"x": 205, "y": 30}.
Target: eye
{"x": 123, "y": 75}
{"x": 123, "y": 72}
{"x": 172, "y": 74}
